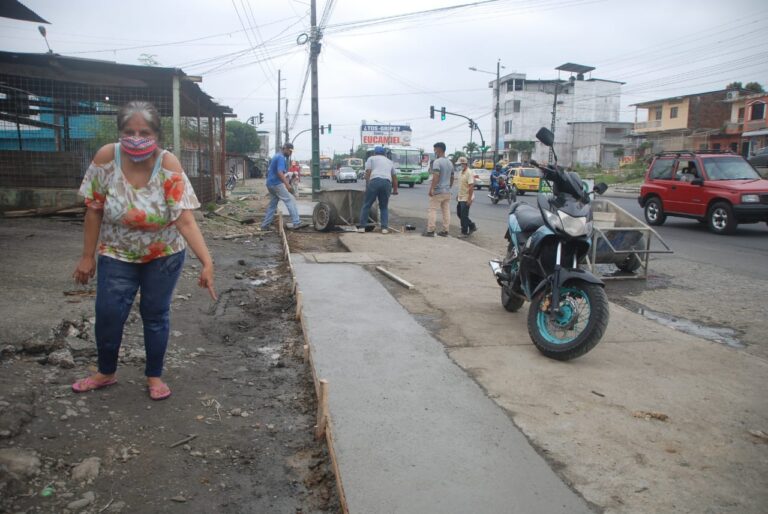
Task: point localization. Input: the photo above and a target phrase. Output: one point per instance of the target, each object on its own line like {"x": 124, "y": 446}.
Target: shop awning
{"x": 753, "y": 133}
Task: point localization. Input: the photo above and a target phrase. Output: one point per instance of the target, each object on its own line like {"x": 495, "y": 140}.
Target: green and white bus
{"x": 353, "y": 162}
{"x": 407, "y": 160}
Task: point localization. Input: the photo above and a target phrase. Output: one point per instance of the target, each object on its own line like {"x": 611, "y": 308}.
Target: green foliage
{"x": 456, "y": 154}
{"x": 211, "y": 206}
{"x": 755, "y": 87}
{"x": 471, "y": 147}
{"x": 241, "y": 138}
{"x": 522, "y": 146}
{"x": 619, "y": 152}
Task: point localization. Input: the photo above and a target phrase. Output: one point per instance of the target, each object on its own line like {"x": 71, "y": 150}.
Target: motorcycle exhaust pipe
{"x": 501, "y": 276}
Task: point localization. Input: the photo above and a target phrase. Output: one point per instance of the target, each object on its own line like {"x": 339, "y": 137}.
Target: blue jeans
{"x": 116, "y": 286}
{"x": 277, "y": 193}
{"x": 378, "y": 189}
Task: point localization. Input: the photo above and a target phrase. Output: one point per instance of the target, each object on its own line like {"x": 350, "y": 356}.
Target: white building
{"x": 526, "y": 106}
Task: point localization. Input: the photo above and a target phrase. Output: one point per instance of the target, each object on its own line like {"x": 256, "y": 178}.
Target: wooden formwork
{"x": 324, "y": 425}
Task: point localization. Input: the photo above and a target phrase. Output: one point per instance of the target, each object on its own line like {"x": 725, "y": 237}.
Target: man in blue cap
{"x": 380, "y": 181}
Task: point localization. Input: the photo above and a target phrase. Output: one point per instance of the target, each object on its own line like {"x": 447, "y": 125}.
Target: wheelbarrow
{"x": 341, "y": 207}
{"x": 623, "y": 240}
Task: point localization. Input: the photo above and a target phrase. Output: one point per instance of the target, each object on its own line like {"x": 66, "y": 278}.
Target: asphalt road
{"x": 744, "y": 253}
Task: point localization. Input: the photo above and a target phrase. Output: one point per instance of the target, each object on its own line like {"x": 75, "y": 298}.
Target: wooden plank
{"x": 335, "y": 465}
{"x": 322, "y": 409}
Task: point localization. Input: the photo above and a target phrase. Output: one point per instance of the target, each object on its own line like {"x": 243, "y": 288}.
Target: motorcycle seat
{"x": 528, "y": 217}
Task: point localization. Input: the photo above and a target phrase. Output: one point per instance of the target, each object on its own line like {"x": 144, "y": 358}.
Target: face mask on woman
{"x": 138, "y": 148}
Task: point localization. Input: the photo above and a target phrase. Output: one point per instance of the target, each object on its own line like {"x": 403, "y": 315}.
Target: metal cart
{"x": 621, "y": 239}
{"x": 341, "y": 207}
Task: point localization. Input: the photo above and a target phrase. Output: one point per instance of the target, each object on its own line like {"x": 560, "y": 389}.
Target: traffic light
{"x": 432, "y": 111}
{"x": 261, "y": 118}
{"x": 442, "y": 114}
{"x": 471, "y": 125}
{"x": 329, "y": 128}
{"x": 322, "y": 129}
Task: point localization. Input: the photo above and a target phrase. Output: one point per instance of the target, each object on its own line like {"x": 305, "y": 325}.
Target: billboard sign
{"x": 387, "y": 135}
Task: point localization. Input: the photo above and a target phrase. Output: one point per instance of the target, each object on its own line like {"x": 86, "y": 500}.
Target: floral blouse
{"x": 138, "y": 223}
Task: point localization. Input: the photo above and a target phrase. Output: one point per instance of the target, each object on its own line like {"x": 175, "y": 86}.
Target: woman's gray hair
{"x": 145, "y": 109}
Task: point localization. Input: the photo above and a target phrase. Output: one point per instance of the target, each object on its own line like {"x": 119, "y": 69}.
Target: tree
{"x": 471, "y": 147}
{"x": 456, "y": 154}
{"x": 754, "y": 87}
{"x": 618, "y": 153}
{"x": 241, "y": 138}
{"x": 734, "y": 85}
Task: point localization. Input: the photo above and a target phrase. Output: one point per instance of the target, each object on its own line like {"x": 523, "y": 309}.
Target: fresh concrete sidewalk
{"x": 413, "y": 432}
{"x": 588, "y": 414}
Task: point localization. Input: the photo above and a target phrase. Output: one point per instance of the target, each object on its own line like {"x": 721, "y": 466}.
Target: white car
{"x": 482, "y": 177}
{"x": 346, "y": 174}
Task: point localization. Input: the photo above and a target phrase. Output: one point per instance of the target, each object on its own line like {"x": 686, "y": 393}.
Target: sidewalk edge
{"x": 322, "y": 409}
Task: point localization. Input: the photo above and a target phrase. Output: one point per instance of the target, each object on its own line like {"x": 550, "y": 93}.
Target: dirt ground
{"x": 236, "y": 436}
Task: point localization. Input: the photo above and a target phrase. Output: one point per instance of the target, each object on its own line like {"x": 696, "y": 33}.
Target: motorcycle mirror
{"x": 601, "y": 188}
{"x": 545, "y": 136}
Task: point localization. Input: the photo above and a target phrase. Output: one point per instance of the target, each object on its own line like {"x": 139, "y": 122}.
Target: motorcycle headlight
{"x": 553, "y": 220}
{"x": 574, "y": 226}
{"x": 750, "y": 198}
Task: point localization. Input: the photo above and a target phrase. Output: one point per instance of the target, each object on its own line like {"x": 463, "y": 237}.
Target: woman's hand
{"x": 85, "y": 270}
{"x": 206, "y": 280}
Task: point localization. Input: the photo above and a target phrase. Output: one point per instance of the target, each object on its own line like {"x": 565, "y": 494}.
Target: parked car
{"x": 719, "y": 189}
{"x": 306, "y": 171}
{"x": 524, "y": 179}
{"x": 760, "y": 161}
{"x": 482, "y": 177}
{"x": 346, "y": 174}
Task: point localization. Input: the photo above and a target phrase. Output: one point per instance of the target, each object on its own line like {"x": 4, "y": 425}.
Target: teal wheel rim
{"x": 570, "y": 322}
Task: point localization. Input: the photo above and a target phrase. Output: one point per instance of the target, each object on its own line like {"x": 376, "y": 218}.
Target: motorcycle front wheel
{"x": 578, "y": 327}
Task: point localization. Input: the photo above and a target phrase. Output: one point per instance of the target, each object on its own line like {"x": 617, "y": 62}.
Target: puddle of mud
{"x": 726, "y": 336}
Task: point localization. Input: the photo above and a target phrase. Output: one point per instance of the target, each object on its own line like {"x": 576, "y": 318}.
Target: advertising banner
{"x": 386, "y": 135}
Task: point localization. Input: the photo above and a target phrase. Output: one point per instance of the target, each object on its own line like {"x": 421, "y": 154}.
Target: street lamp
{"x": 496, "y": 110}
{"x": 352, "y": 145}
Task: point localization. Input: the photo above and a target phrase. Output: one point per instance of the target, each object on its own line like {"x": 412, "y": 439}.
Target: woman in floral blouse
{"x": 139, "y": 212}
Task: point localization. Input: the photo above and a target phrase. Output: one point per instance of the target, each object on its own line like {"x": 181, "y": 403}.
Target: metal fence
{"x": 52, "y": 121}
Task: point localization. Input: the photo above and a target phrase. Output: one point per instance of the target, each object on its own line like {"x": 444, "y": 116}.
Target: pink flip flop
{"x": 159, "y": 392}
{"x": 89, "y": 384}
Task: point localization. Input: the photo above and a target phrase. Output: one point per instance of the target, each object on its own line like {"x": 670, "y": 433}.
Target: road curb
{"x": 324, "y": 424}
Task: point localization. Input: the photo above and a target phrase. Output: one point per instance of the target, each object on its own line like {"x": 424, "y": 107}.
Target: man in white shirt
{"x": 380, "y": 181}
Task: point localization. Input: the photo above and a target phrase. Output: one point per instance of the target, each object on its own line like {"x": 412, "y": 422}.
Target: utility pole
{"x": 554, "y": 118}
{"x": 277, "y": 122}
{"x": 286, "y": 121}
{"x": 498, "y": 94}
{"x": 314, "y": 51}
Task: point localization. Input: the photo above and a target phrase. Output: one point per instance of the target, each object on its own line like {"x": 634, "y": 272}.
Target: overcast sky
{"x": 393, "y": 71}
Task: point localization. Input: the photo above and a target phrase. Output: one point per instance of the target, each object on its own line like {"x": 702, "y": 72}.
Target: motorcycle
{"x": 504, "y": 191}
{"x": 569, "y": 308}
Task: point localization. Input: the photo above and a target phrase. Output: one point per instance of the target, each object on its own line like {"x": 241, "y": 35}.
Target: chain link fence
{"x": 55, "y": 113}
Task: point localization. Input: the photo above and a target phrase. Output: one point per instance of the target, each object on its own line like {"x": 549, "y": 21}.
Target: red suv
{"x": 719, "y": 189}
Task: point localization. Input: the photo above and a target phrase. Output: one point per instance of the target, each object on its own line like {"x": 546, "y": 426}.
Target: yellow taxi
{"x": 524, "y": 179}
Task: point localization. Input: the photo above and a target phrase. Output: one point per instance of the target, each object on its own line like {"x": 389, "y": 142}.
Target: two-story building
{"x": 526, "y": 105}
{"x": 687, "y": 122}
{"x": 748, "y": 120}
